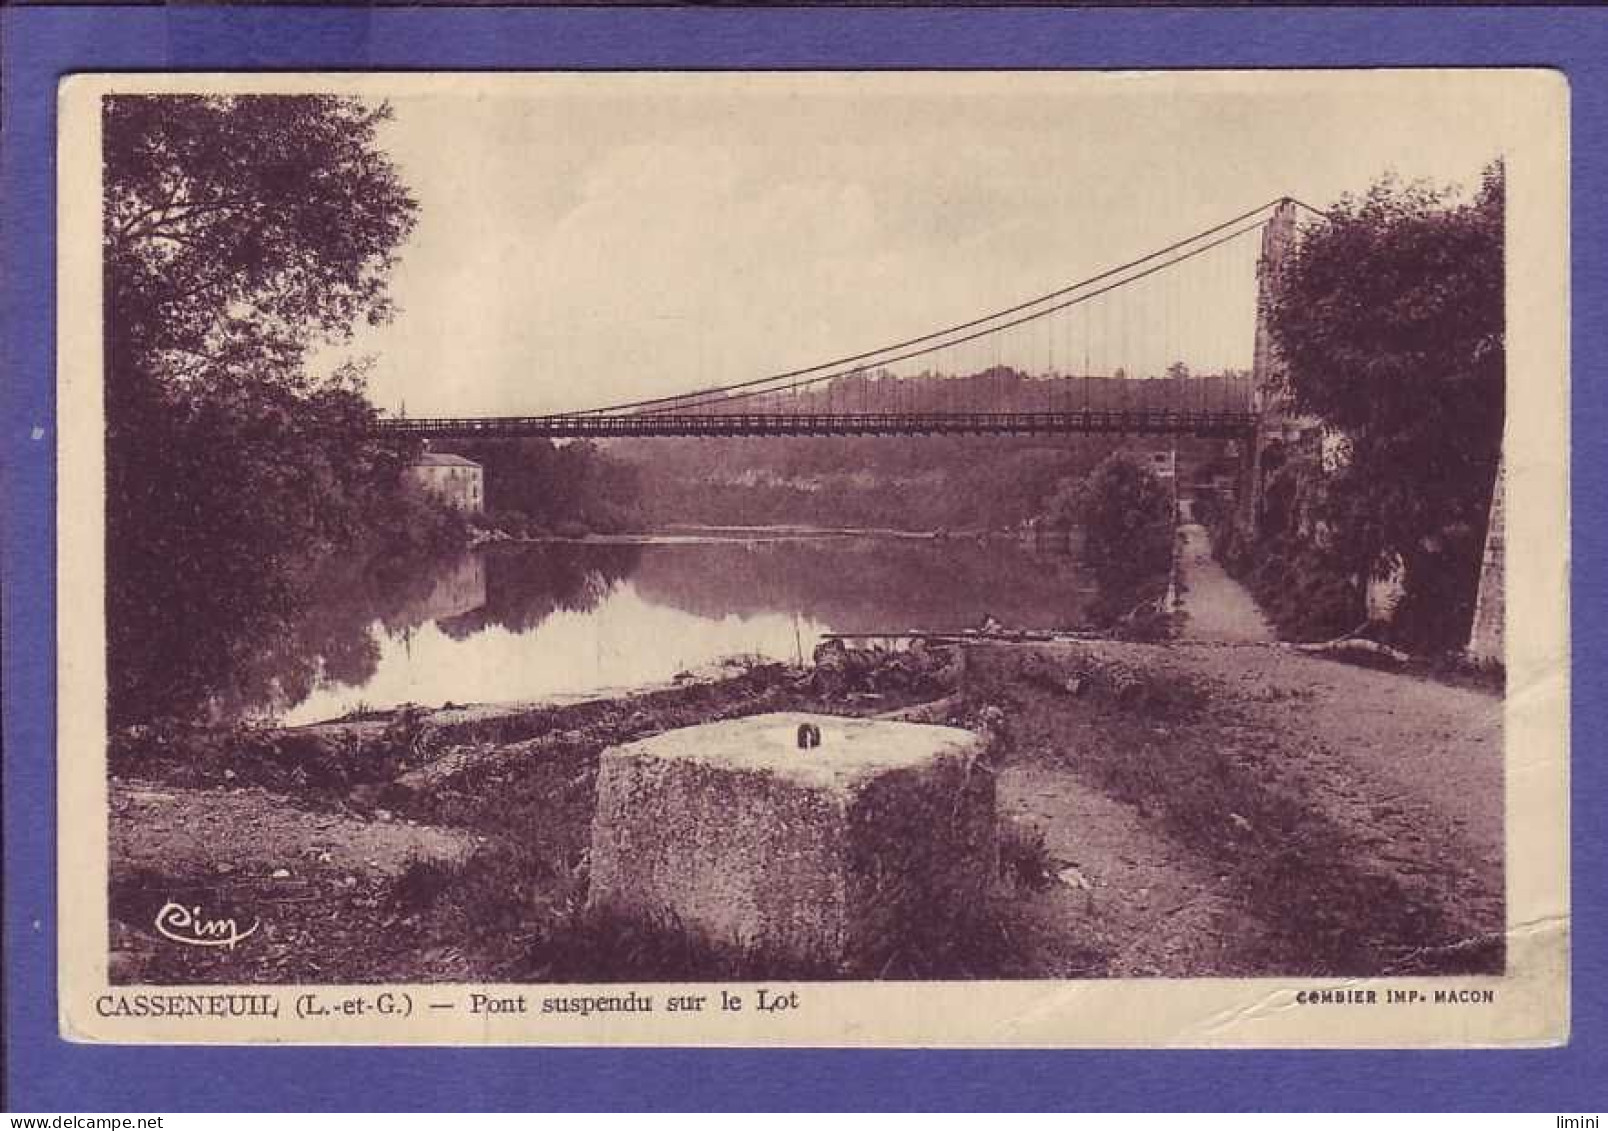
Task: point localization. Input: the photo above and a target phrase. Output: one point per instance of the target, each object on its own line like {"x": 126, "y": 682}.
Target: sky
{"x": 590, "y": 238}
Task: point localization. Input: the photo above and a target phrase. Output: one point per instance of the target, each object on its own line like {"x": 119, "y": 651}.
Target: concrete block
{"x": 881, "y": 834}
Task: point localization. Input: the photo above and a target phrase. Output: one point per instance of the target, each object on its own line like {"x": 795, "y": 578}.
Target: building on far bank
{"x": 459, "y": 482}
{"x": 1163, "y": 463}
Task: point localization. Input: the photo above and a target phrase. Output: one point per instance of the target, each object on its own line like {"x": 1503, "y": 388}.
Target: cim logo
{"x": 187, "y": 925}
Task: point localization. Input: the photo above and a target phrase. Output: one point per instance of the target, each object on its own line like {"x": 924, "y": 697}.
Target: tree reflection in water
{"x": 429, "y": 630}
{"x": 524, "y": 585}
{"x": 858, "y": 584}
{"x": 337, "y": 642}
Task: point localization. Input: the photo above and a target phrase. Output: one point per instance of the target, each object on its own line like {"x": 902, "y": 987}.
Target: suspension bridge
{"x": 1168, "y": 344}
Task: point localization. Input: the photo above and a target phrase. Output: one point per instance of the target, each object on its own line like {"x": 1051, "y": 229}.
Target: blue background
{"x": 42, "y": 44}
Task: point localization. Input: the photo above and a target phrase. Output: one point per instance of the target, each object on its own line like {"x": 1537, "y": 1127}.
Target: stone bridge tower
{"x": 1486, "y": 637}
{"x": 1269, "y": 400}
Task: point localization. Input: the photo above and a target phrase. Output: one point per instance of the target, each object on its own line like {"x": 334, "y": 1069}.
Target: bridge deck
{"x": 1146, "y": 422}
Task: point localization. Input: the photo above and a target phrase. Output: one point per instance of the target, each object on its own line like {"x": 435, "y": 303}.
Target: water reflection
{"x": 869, "y": 584}
{"x": 459, "y": 587}
{"x": 525, "y": 622}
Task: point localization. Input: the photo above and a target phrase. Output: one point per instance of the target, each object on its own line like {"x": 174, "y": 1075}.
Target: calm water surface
{"x": 525, "y": 622}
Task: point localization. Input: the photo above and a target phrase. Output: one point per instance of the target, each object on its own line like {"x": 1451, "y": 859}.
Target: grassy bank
{"x": 1165, "y": 810}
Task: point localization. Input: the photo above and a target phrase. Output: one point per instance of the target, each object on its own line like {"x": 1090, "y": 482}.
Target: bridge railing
{"x": 1155, "y": 422}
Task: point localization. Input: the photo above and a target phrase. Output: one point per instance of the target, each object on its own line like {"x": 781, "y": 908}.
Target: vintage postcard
{"x": 888, "y": 559}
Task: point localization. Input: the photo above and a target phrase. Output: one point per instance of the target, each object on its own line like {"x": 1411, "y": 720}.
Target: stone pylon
{"x": 1267, "y": 369}
{"x": 1485, "y": 636}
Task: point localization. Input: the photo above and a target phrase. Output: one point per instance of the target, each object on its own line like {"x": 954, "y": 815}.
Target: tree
{"x": 1389, "y": 319}
{"x": 238, "y": 232}
{"x": 239, "y": 228}
{"x": 1128, "y": 521}
{"x": 540, "y": 484}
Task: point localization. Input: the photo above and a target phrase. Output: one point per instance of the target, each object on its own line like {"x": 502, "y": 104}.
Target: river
{"x": 530, "y": 621}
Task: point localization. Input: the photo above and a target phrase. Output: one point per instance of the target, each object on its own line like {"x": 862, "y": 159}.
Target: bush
{"x": 513, "y": 523}
{"x": 1128, "y": 518}
{"x": 492, "y": 893}
{"x": 606, "y": 517}
{"x": 1308, "y": 591}
{"x": 1129, "y": 532}
{"x": 423, "y": 882}
{"x": 1210, "y": 510}
{"x": 1024, "y": 857}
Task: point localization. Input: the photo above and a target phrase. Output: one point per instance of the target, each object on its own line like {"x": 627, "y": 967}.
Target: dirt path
{"x": 251, "y": 832}
{"x": 1126, "y": 901}
{"x": 1219, "y": 607}
{"x": 1250, "y": 810}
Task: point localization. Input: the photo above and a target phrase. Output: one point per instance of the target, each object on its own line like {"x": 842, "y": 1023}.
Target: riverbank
{"x": 1168, "y": 810}
{"x": 694, "y": 535}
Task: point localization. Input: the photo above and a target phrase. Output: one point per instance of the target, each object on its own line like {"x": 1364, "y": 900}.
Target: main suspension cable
{"x": 627, "y": 406}
{"x": 721, "y": 396}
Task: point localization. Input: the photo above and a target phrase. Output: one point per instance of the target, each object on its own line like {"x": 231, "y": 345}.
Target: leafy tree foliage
{"x": 1389, "y": 318}
{"x": 1127, "y": 516}
{"x": 534, "y": 485}
{"x": 238, "y": 232}
{"x": 238, "y": 229}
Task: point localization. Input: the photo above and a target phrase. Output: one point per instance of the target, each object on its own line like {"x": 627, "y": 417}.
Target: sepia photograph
{"x": 570, "y": 543}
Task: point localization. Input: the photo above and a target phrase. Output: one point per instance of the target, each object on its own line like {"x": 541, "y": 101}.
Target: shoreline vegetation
{"x": 698, "y": 533}
{"x": 1217, "y": 833}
